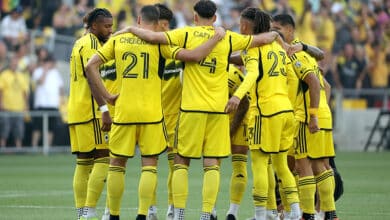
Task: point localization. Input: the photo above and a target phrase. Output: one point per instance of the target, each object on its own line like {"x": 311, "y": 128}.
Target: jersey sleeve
{"x": 177, "y": 36}
{"x": 169, "y": 51}
{"x": 251, "y": 61}
{"x": 235, "y": 79}
{"x": 301, "y": 65}
{"x": 239, "y": 41}
{"x": 107, "y": 52}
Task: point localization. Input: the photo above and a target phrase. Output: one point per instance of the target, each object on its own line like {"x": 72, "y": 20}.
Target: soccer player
{"x": 271, "y": 126}
{"x": 171, "y": 96}
{"x": 138, "y": 111}
{"x": 314, "y": 140}
{"x": 87, "y": 133}
{"x": 203, "y": 127}
{"x": 239, "y": 144}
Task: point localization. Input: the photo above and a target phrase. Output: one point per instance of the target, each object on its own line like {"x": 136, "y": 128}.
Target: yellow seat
{"x": 354, "y": 104}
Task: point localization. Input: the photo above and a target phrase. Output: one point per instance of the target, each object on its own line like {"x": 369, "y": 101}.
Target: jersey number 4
{"x": 212, "y": 64}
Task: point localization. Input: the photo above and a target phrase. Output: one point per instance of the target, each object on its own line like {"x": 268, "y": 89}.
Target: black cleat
{"x": 230, "y": 217}
{"x": 141, "y": 217}
{"x": 114, "y": 217}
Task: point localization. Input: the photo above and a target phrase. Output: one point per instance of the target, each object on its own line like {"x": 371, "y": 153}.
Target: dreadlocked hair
{"x": 261, "y": 20}
{"x": 94, "y": 15}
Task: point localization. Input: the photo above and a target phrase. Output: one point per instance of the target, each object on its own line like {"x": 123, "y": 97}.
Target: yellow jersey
{"x": 109, "y": 77}
{"x": 81, "y": 106}
{"x": 304, "y": 64}
{"x": 14, "y": 88}
{"x": 171, "y": 87}
{"x": 266, "y": 69}
{"x": 139, "y": 66}
{"x": 205, "y": 83}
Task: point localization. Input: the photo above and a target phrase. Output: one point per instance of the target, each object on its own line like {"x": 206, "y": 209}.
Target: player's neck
{"x": 152, "y": 27}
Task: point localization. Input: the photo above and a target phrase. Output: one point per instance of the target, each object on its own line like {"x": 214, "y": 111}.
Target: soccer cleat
{"x": 141, "y": 217}
{"x": 170, "y": 213}
{"x": 106, "y": 214}
{"x": 272, "y": 215}
{"x": 152, "y": 216}
{"x": 79, "y": 213}
{"x": 230, "y": 217}
{"x": 114, "y": 217}
{"x": 307, "y": 216}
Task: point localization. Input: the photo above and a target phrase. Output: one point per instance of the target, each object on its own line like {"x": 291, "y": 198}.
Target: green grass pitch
{"x": 36, "y": 187}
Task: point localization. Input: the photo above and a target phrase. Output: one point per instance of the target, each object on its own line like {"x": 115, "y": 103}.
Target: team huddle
{"x": 186, "y": 92}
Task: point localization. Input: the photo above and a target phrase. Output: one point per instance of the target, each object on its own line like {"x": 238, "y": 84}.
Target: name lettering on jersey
{"x": 131, "y": 40}
{"x": 202, "y": 34}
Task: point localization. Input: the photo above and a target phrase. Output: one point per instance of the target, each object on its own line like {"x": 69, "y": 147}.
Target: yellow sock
{"x": 286, "y": 178}
{"x": 96, "y": 181}
{"x": 171, "y": 156}
{"x": 147, "y": 184}
{"x": 180, "y": 186}
{"x": 260, "y": 181}
{"x": 283, "y": 198}
{"x": 326, "y": 190}
{"x": 80, "y": 180}
{"x": 115, "y": 188}
{"x": 239, "y": 178}
{"x": 307, "y": 190}
{"x": 211, "y": 178}
{"x": 271, "y": 201}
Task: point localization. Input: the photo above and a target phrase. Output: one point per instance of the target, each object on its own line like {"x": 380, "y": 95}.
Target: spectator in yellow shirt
{"x": 13, "y": 102}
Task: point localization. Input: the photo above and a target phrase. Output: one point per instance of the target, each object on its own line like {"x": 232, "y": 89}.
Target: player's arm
{"x": 251, "y": 65}
{"x": 236, "y": 59}
{"x": 144, "y": 34}
{"x": 98, "y": 90}
{"x": 313, "y": 51}
{"x": 239, "y": 115}
{"x": 328, "y": 90}
{"x": 314, "y": 91}
{"x": 264, "y": 38}
{"x": 200, "y": 52}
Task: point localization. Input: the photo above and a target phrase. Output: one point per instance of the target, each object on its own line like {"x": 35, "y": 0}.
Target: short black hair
{"x": 284, "y": 19}
{"x": 261, "y": 20}
{"x": 165, "y": 12}
{"x": 94, "y": 15}
{"x": 150, "y": 13}
{"x": 205, "y": 8}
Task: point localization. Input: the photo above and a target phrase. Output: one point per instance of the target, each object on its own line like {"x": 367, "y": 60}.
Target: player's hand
{"x": 232, "y": 104}
{"x": 219, "y": 33}
{"x": 123, "y": 31}
{"x": 112, "y": 99}
{"x": 313, "y": 124}
{"x": 107, "y": 121}
{"x": 294, "y": 49}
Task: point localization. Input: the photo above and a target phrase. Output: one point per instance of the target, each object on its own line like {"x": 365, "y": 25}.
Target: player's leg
{"x": 152, "y": 141}
{"x": 84, "y": 163}
{"x": 216, "y": 145}
{"x": 239, "y": 176}
{"x": 99, "y": 171}
{"x": 147, "y": 184}
{"x": 180, "y": 186}
{"x": 324, "y": 176}
{"x": 306, "y": 181}
{"x": 188, "y": 141}
{"x": 122, "y": 146}
{"x": 272, "y": 212}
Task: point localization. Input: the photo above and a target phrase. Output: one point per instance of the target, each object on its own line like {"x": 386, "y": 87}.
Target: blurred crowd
{"x": 354, "y": 34}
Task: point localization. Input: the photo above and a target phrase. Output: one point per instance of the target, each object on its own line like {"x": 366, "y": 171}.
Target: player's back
{"x": 271, "y": 88}
{"x": 205, "y": 83}
{"x": 139, "y": 66}
{"x": 81, "y": 105}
